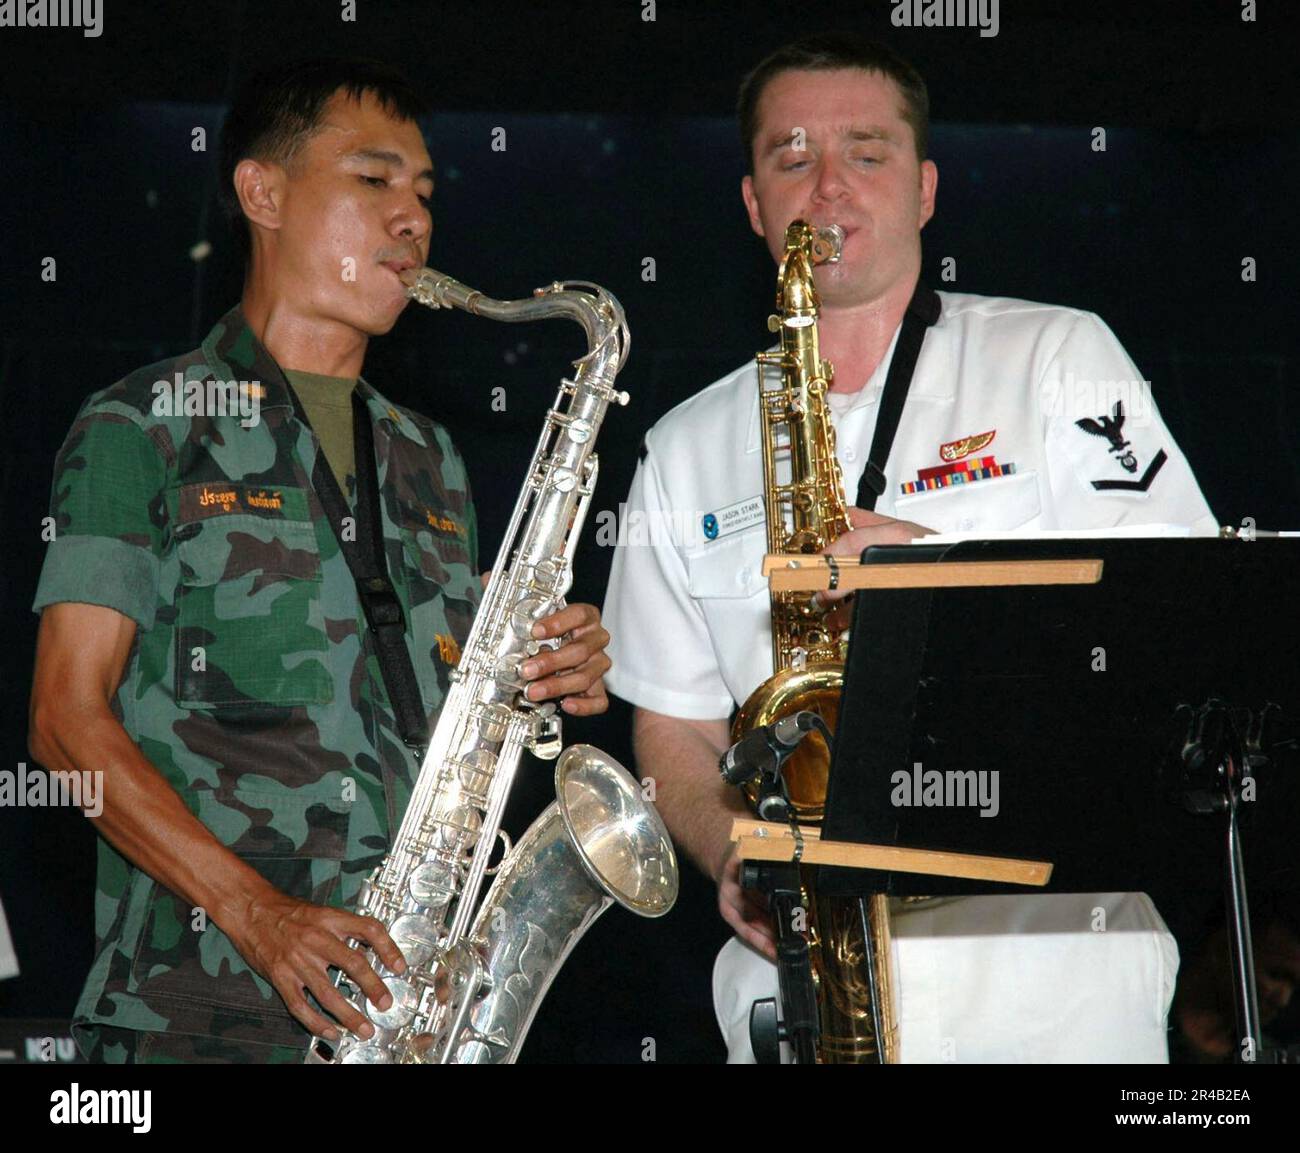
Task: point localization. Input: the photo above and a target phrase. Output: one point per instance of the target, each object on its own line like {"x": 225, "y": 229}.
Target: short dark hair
{"x": 275, "y": 113}
{"x": 826, "y": 52}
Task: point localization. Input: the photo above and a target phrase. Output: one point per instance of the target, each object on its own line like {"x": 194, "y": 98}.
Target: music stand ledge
{"x": 771, "y": 841}
{"x": 817, "y": 571}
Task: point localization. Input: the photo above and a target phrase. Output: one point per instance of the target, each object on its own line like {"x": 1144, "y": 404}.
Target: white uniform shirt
{"x": 997, "y": 391}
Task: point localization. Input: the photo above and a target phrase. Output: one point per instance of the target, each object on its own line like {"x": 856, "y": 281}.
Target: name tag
{"x": 734, "y": 518}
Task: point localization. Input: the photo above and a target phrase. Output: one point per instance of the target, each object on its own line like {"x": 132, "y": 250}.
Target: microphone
{"x": 766, "y": 749}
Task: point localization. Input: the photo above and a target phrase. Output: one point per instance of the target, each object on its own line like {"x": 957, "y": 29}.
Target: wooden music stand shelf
{"x": 770, "y": 841}
{"x": 787, "y": 573}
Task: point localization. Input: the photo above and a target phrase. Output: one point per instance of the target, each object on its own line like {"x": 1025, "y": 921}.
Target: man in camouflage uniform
{"x": 202, "y": 643}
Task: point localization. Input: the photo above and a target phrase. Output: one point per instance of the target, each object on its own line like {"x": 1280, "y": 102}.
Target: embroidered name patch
{"x": 964, "y": 472}
{"x": 200, "y": 501}
{"x": 733, "y": 518}
{"x": 444, "y": 524}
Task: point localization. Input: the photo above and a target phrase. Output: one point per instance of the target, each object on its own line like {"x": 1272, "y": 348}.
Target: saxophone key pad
{"x": 525, "y": 614}
{"x": 494, "y": 720}
{"x": 432, "y": 885}
{"x": 462, "y": 824}
{"x": 475, "y": 770}
{"x": 366, "y": 1055}
{"x": 416, "y": 936}
{"x": 508, "y": 668}
{"x": 405, "y": 1002}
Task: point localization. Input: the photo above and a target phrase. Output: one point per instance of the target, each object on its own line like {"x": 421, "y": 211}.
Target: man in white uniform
{"x": 1018, "y": 416}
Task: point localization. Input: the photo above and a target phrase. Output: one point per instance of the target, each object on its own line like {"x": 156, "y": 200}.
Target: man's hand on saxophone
{"x": 294, "y": 944}
{"x": 573, "y": 672}
{"x": 581, "y": 656}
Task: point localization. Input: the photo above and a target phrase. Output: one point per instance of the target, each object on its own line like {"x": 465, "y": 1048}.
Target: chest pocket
{"x": 996, "y": 505}
{"x": 730, "y": 569}
{"x": 725, "y": 578}
{"x": 249, "y": 626}
{"x": 726, "y": 575}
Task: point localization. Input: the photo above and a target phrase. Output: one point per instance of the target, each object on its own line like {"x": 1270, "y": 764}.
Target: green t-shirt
{"x": 328, "y": 401}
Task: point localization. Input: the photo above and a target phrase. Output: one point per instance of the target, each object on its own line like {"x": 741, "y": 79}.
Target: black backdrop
{"x": 620, "y": 147}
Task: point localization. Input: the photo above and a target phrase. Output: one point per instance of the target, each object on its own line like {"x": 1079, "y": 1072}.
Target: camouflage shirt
{"x": 253, "y": 684}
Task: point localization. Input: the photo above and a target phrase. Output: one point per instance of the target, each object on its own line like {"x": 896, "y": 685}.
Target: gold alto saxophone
{"x": 806, "y": 511}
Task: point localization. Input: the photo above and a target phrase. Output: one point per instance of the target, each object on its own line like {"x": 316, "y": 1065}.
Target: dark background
{"x": 621, "y": 146}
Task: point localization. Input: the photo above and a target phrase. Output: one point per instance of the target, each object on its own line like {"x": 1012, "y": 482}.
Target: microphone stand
{"x": 1219, "y": 765}
{"x": 800, "y": 1026}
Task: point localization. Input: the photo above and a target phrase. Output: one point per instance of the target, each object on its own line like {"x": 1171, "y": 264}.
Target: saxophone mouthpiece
{"x": 422, "y": 286}
{"x": 828, "y": 245}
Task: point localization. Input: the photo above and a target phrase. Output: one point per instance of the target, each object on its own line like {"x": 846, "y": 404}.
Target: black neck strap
{"x": 364, "y": 552}
{"x": 922, "y": 312}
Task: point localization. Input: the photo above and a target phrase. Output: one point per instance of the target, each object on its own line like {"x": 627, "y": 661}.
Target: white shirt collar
{"x": 933, "y": 379}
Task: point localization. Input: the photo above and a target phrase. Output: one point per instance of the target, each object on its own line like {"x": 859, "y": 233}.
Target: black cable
{"x": 822, "y": 727}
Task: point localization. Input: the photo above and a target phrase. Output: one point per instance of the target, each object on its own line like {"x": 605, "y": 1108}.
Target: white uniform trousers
{"x": 998, "y": 979}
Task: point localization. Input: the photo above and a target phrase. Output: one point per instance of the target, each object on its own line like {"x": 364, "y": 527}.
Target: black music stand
{"x": 1138, "y": 725}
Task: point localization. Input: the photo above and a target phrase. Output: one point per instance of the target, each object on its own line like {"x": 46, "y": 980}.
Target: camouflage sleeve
{"x": 108, "y": 513}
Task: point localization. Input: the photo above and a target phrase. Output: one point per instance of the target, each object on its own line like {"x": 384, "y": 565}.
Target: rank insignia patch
{"x": 1112, "y": 428}
{"x": 967, "y": 471}
{"x": 959, "y": 449}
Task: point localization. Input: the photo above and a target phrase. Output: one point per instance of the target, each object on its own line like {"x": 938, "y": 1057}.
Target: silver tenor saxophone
{"x": 478, "y": 970}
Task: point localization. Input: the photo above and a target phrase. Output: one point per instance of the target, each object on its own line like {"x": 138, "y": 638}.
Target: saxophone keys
{"x": 580, "y": 431}
{"x": 433, "y": 885}
{"x": 494, "y": 720}
{"x": 400, "y": 1012}
{"x": 461, "y": 825}
{"x": 475, "y": 769}
{"x": 365, "y": 1054}
{"x": 417, "y": 937}
{"x": 525, "y": 614}
{"x": 507, "y": 671}
{"x": 546, "y": 739}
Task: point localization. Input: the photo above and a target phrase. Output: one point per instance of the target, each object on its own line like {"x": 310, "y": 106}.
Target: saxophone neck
{"x": 594, "y": 308}
{"x": 808, "y": 511}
